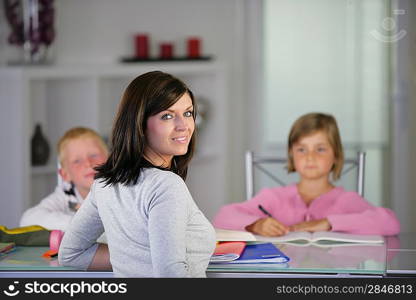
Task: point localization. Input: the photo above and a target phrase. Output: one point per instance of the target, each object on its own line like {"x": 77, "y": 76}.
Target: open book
{"x": 300, "y": 237}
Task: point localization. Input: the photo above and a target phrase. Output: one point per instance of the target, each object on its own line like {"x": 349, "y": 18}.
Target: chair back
{"x": 258, "y": 162}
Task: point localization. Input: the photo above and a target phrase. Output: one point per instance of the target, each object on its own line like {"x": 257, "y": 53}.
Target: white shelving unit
{"x": 60, "y": 97}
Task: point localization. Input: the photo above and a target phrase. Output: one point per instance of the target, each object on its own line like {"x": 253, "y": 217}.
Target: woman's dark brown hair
{"x": 146, "y": 96}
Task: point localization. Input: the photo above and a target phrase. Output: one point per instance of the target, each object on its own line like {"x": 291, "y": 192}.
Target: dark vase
{"x": 39, "y": 148}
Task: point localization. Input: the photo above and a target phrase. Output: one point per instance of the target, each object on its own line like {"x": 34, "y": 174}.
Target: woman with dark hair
{"x": 139, "y": 197}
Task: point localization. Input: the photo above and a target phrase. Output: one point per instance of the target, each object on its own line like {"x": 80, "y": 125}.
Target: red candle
{"x": 142, "y": 45}
{"x": 194, "y": 47}
{"x": 166, "y": 50}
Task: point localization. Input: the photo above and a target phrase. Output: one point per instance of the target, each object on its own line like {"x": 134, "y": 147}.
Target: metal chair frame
{"x": 253, "y": 161}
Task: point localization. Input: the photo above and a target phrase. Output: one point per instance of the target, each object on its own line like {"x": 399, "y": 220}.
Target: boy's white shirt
{"x": 53, "y": 212}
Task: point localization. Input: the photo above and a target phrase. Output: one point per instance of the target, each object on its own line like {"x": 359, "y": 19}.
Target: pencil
{"x": 264, "y": 211}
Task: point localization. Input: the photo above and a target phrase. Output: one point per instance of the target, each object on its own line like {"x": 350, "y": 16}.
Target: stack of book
{"x": 242, "y": 250}
{"x": 239, "y": 252}
{"x": 235, "y": 250}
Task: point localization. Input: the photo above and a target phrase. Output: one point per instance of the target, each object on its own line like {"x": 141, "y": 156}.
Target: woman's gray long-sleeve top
{"x": 153, "y": 228}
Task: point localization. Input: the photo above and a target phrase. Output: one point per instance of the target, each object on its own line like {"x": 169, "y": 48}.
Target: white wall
{"x": 321, "y": 56}
{"x": 411, "y": 205}
{"x": 109, "y": 35}
{"x": 101, "y": 31}
{"x": 404, "y": 123}
{"x": 94, "y": 31}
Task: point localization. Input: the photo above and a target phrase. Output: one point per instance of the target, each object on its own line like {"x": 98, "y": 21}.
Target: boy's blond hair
{"x": 76, "y": 133}
{"x": 309, "y": 124}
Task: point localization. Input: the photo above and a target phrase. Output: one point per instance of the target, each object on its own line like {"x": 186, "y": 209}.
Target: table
{"x": 402, "y": 257}
{"x": 28, "y": 262}
{"x": 350, "y": 260}
{"x": 396, "y": 257}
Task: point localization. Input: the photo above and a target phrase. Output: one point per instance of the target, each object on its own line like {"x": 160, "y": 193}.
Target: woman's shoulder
{"x": 157, "y": 179}
{"x": 158, "y": 175}
{"x": 163, "y": 185}
{"x": 148, "y": 176}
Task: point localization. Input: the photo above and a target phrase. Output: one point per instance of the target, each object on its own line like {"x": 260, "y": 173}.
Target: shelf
{"x": 62, "y": 96}
{"x": 160, "y": 59}
{"x": 63, "y": 71}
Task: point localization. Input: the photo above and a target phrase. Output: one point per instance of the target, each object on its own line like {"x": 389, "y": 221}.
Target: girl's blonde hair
{"x": 76, "y": 133}
{"x": 309, "y": 124}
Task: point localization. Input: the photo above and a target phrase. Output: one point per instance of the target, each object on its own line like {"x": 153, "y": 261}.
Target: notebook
{"x": 248, "y": 267}
{"x": 259, "y": 254}
{"x": 227, "y": 251}
{"x": 301, "y": 237}
{"x": 326, "y": 236}
{"x": 6, "y": 248}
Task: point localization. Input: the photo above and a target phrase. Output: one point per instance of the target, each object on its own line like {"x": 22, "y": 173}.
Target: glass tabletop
{"x": 314, "y": 258}
{"x": 30, "y": 259}
{"x": 311, "y": 258}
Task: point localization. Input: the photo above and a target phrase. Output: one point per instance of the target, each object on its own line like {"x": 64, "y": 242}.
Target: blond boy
{"x": 79, "y": 151}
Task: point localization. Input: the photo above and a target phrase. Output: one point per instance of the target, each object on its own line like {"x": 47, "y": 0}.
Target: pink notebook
{"x": 227, "y": 251}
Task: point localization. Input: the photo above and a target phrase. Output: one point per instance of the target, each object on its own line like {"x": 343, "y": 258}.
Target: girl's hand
{"x": 312, "y": 226}
{"x": 268, "y": 227}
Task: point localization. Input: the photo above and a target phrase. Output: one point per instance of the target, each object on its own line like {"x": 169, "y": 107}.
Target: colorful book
{"x": 251, "y": 254}
{"x": 227, "y": 251}
{"x": 25, "y": 236}
{"x": 261, "y": 253}
{"x": 5, "y": 247}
